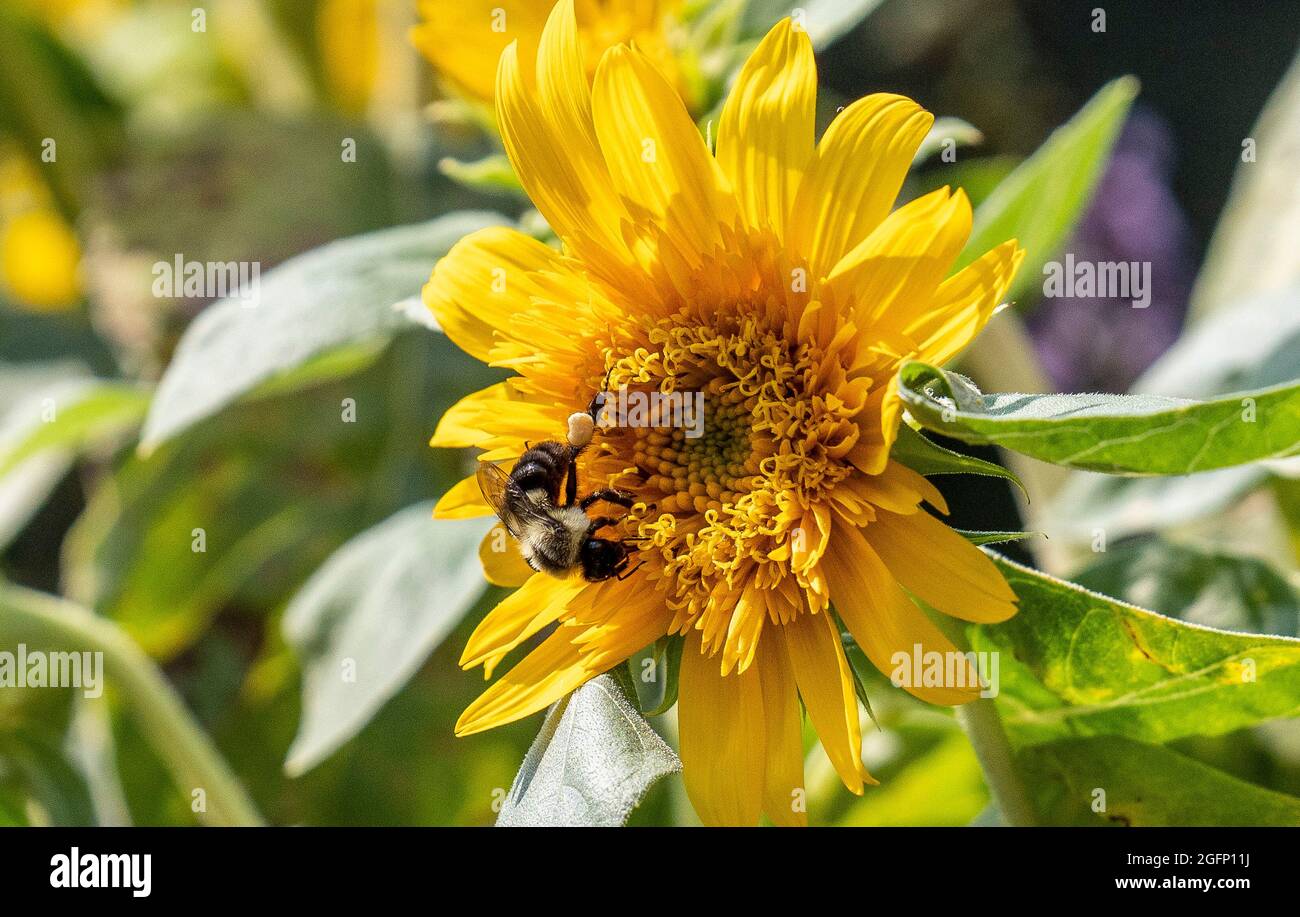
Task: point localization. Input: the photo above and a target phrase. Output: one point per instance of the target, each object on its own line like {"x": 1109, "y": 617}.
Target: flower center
{"x": 722, "y": 506}
{"x": 696, "y": 473}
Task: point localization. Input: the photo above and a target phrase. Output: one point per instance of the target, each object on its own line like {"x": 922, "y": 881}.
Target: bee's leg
{"x": 609, "y": 495}
{"x": 624, "y": 573}
{"x": 594, "y": 406}
{"x": 571, "y": 480}
{"x": 600, "y": 522}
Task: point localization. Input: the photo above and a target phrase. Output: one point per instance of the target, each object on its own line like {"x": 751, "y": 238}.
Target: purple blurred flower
{"x": 1102, "y": 343}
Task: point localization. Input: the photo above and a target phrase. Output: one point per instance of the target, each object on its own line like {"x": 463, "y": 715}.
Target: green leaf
{"x": 46, "y": 776}
{"x": 1117, "y": 434}
{"x": 926, "y": 457}
{"x": 340, "y": 295}
{"x": 979, "y": 178}
{"x": 1253, "y": 248}
{"x": 943, "y": 787}
{"x": 46, "y": 91}
{"x": 167, "y": 542}
{"x": 591, "y": 764}
{"x": 370, "y": 616}
{"x": 986, "y": 537}
{"x": 862, "y": 670}
{"x": 945, "y": 129}
{"x": 1144, "y": 785}
{"x": 492, "y": 174}
{"x": 1197, "y": 585}
{"x": 1042, "y": 200}
{"x": 671, "y": 666}
{"x": 1286, "y": 495}
{"x": 1076, "y": 663}
{"x": 56, "y": 412}
{"x": 1089, "y": 504}
{"x": 52, "y": 624}
{"x": 1254, "y": 344}
{"x": 68, "y": 417}
{"x": 233, "y": 517}
{"x": 825, "y": 20}
{"x": 24, "y": 490}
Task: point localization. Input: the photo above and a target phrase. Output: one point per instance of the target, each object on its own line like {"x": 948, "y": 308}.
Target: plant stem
{"x": 983, "y": 727}
{"x": 980, "y": 720}
{"x": 57, "y": 625}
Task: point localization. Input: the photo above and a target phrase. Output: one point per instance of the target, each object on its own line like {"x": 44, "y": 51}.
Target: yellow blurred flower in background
{"x": 77, "y": 15}
{"x": 773, "y": 278}
{"x": 40, "y": 258}
{"x": 464, "y": 39}
{"x": 348, "y": 35}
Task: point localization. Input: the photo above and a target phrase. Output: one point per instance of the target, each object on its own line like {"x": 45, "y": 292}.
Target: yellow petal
{"x": 810, "y": 537}
{"x": 482, "y": 282}
{"x": 620, "y": 618}
{"x": 891, "y": 409}
{"x": 723, "y": 739}
{"x": 463, "y": 501}
{"x": 768, "y": 126}
{"x": 898, "y": 489}
{"x": 883, "y": 620}
{"x": 540, "y": 679}
{"x": 854, "y": 177}
{"x": 503, "y": 565}
{"x": 656, "y": 156}
{"x": 784, "y": 795}
{"x": 546, "y": 128}
{"x": 871, "y": 454}
{"x": 744, "y": 628}
{"x": 891, "y": 275}
{"x": 464, "y": 40}
{"x": 497, "y": 415}
{"x": 941, "y": 567}
{"x": 826, "y": 686}
{"x": 964, "y": 303}
{"x": 539, "y": 602}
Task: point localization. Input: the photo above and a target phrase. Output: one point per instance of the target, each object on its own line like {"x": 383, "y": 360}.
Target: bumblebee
{"x": 556, "y": 537}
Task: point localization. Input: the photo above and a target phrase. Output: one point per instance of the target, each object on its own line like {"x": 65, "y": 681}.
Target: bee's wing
{"x": 492, "y": 481}
{"x": 514, "y": 513}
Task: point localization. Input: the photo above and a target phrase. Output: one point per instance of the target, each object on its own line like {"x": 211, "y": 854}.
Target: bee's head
{"x": 602, "y": 558}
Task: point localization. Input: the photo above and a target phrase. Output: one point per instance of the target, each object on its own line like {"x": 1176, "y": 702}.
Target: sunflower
{"x": 459, "y": 38}
{"x": 773, "y": 278}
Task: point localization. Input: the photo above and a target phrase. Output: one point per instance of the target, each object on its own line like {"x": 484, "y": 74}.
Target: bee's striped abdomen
{"x": 542, "y": 468}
